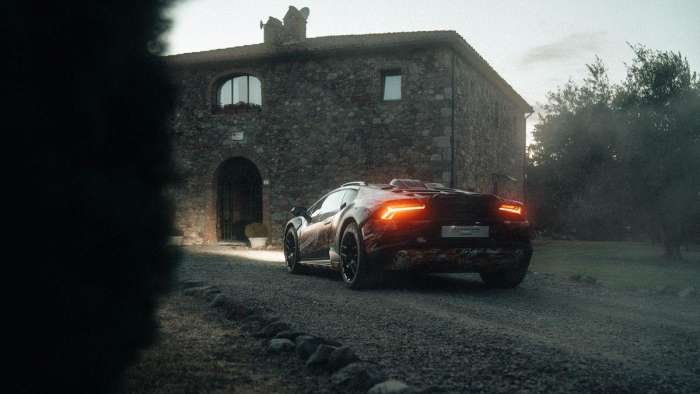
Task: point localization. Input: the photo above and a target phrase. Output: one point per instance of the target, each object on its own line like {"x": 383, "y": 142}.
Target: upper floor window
{"x": 240, "y": 91}
{"x": 391, "y": 85}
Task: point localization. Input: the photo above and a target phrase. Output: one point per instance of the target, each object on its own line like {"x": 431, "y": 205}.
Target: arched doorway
{"x": 239, "y": 198}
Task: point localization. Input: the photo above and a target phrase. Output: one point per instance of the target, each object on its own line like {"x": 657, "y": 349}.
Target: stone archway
{"x": 239, "y": 198}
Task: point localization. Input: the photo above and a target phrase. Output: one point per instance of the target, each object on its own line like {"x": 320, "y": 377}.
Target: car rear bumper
{"x": 452, "y": 259}
{"x": 420, "y": 247}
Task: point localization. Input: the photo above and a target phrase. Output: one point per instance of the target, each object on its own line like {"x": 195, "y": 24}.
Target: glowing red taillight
{"x": 511, "y": 209}
{"x": 390, "y": 211}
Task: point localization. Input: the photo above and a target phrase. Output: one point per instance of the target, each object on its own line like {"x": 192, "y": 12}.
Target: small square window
{"x": 392, "y": 85}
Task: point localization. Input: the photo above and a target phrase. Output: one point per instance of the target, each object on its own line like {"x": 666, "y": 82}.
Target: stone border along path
{"x": 348, "y": 372}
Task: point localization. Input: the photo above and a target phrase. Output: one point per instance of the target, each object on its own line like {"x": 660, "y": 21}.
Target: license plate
{"x": 465, "y": 231}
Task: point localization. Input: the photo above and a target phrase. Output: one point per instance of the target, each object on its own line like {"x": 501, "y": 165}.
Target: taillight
{"x": 400, "y": 209}
{"x": 511, "y": 208}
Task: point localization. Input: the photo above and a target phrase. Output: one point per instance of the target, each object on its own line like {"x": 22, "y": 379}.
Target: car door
{"x": 334, "y": 208}
{"x": 309, "y": 231}
{"x": 320, "y": 224}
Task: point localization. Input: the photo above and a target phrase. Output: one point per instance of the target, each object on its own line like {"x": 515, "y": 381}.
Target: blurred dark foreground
{"x": 87, "y": 157}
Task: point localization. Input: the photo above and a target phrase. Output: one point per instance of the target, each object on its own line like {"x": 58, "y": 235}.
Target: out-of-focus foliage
{"x": 619, "y": 161}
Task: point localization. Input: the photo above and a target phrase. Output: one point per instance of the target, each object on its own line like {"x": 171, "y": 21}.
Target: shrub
{"x": 90, "y": 293}
{"x": 256, "y": 230}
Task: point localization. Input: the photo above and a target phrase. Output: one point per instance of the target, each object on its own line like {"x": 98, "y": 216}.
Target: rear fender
{"x": 352, "y": 213}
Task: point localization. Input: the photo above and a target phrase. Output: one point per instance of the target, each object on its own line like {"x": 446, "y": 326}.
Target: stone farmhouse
{"x": 261, "y": 128}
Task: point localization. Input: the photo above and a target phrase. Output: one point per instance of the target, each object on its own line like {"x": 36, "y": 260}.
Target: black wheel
{"x": 291, "y": 251}
{"x": 354, "y": 263}
{"x": 511, "y": 277}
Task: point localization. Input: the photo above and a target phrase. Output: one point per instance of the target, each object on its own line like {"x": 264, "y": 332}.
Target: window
{"x": 349, "y": 196}
{"x": 240, "y": 90}
{"x": 332, "y": 202}
{"x": 315, "y": 209}
{"x": 392, "y": 85}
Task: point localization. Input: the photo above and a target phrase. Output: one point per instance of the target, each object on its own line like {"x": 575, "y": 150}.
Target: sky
{"x": 536, "y": 46}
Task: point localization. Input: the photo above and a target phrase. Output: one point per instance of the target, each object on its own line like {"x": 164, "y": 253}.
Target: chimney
{"x": 274, "y": 31}
{"x": 293, "y": 28}
{"x": 295, "y": 23}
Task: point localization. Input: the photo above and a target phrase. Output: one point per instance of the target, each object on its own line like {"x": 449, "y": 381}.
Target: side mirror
{"x": 299, "y": 211}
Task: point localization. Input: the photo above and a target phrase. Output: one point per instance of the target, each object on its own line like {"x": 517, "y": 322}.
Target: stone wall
{"x": 489, "y": 136}
{"x": 323, "y": 123}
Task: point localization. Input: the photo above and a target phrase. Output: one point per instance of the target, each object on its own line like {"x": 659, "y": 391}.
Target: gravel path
{"x": 451, "y": 332}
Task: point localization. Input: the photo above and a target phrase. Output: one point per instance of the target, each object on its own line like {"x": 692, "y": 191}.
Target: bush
{"x": 86, "y": 299}
{"x": 256, "y": 230}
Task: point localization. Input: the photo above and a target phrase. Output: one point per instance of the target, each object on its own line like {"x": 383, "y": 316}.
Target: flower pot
{"x": 175, "y": 240}
{"x": 257, "y": 242}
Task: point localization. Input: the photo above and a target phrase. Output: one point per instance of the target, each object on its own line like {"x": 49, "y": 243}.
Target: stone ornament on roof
{"x": 292, "y": 29}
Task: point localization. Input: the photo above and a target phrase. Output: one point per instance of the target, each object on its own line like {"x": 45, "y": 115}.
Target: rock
{"x": 289, "y": 334}
{"x": 201, "y": 291}
{"x": 233, "y": 310}
{"x": 320, "y": 356}
{"x": 391, "y": 386}
{"x": 663, "y": 290}
{"x": 331, "y": 342}
{"x": 280, "y": 345}
{"x": 341, "y": 357}
{"x": 271, "y": 329}
{"x": 211, "y": 293}
{"x": 255, "y": 321}
{"x": 237, "y": 311}
{"x": 261, "y": 318}
{"x": 583, "y": 279}
{"x": 221, "y": 301}
{"x": 306, "y": 345}
{"x": 357, "y": 376}
{"x": 687, "y": 292}
{"x": 192, "y": 291}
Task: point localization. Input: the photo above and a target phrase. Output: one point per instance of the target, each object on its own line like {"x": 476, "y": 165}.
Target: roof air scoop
{"x": 407, "y": 183}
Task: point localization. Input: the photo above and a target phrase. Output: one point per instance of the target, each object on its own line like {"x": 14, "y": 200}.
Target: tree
{"x": 573, "y": 176}
{"x": 610, "y": 157}
{"x": 660, "y": 150}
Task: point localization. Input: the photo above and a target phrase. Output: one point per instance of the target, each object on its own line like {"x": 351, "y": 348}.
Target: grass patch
{"x": 631, "y": 265}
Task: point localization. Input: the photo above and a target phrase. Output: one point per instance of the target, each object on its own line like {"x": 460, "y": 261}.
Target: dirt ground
{"x": 200, "y": 352}
{"x": 447, "y": 332}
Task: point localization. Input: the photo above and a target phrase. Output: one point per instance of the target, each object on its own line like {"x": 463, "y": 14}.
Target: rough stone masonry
{"x": 322, "y": 120}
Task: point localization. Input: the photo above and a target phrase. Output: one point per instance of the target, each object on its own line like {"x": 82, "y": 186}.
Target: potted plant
{"x": 176, "y": 237}
{"x": 257, "y": 234}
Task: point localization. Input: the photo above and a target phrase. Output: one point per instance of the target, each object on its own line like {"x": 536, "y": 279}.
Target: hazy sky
{"x": 534, "y": 45}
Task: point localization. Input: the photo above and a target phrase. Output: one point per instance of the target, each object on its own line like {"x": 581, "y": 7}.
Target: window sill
{"x": 238, "y": 108}
{"x": 391, "y": 102}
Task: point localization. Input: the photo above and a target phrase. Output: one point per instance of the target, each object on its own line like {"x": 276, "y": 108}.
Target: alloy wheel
{"x": 349, "y": 255}
{"x": 290, "y": 249}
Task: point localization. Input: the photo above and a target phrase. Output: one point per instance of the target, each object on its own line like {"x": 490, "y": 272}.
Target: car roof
{"x": 407, "y": 187}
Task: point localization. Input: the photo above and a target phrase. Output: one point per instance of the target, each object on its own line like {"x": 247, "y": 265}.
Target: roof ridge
{"x": 339, "y": 42}
{"x": 311, "y": 39}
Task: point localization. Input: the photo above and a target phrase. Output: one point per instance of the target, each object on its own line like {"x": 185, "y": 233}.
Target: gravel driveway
{"x": 451, "y": 332}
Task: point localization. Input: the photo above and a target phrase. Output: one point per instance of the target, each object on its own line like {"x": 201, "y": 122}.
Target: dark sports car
{"x": 364, "y": 230}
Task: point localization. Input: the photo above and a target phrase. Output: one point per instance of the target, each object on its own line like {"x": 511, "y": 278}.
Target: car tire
{"x": 355, "y": 267}
{"x": 509, "y": 278}
{"x": 291, "y": 252}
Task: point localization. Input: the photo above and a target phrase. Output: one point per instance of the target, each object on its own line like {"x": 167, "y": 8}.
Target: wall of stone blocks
{"x": 489, "y": 135}
{"x": 322, "y": 123}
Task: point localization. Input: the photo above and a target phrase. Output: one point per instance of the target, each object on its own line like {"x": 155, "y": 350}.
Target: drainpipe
{"x": 532, "y": 111}
{"x": 452, "y": 125}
